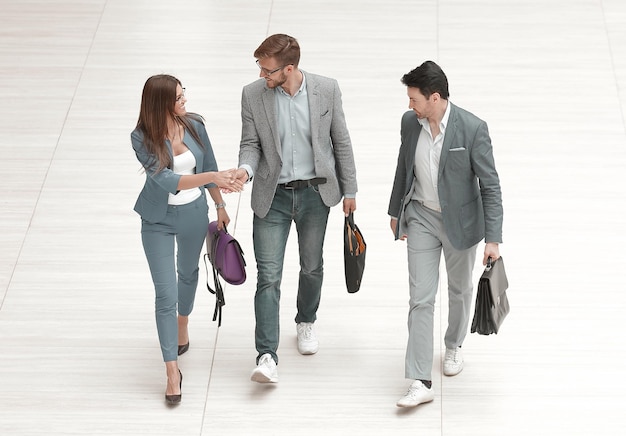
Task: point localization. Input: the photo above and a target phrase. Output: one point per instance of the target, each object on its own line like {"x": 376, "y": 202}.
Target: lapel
{"x": 410, "y": 163}
{"x": 195, "y": 150}
{"x": 268, "y": 98}
{"x": 313, "y": 95}
{"x": 449, "y": 138}
{"x": 168, "y": 144}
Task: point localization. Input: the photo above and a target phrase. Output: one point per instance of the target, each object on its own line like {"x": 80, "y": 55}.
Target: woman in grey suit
{"x": 174, "y": 149}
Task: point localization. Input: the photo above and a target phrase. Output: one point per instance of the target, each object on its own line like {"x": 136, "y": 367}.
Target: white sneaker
{"x": 266, "y": 371}
{"x": 417, "y": 394}
{"x": 453, "y": 361}
{"x": 307, "y": 340}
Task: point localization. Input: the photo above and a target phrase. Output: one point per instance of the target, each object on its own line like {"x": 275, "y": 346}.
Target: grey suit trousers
{"x": 426, "y": 239}
{"x": 173, "y": 248}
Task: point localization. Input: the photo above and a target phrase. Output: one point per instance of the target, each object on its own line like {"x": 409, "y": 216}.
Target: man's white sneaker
{"x": 307, "y": 340}
{"x": 417, "y": 394}
{"x": 266, "y": 371}
{"x": 453, "y": 361}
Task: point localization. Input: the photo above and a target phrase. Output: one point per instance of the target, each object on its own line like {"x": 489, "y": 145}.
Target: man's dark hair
{"x": 429, "y": 78}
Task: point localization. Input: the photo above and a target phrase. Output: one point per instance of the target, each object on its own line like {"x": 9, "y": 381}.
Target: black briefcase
{"x": 492, "y": 304}
{"x": 354, "y": 249}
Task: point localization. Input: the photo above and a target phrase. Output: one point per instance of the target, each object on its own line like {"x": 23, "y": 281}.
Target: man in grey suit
{"x": 296, "y": 149}
{"x": 446, "y": 197}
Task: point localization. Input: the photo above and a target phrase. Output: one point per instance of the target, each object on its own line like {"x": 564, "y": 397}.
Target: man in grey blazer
{"x": 446, "y": 197}
{"x": 296, "y": 149}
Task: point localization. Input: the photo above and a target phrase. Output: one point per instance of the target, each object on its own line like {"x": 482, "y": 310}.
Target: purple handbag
{"x": 226, "y": 257}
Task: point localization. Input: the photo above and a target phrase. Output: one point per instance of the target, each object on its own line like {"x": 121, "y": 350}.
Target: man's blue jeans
{"x": 305, "y": 208}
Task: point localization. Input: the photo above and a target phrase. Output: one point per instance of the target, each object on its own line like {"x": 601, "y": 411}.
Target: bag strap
{"x": 350, "y": 219}
{"x": 218, "y": 292}
{"x": 353, "y": 243}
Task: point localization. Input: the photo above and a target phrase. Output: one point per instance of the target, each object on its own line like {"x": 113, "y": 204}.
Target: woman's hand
{"x": 222, "y": 218}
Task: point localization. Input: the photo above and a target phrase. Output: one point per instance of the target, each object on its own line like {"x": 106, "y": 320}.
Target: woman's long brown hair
{"x": 157, "y": 106}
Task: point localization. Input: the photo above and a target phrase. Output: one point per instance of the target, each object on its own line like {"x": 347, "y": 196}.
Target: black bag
{"x": 353, "y": 254}
{"x": 492, "y": 304}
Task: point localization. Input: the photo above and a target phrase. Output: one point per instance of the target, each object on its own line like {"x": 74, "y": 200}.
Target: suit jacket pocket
{"x": 458, "y": 159}
{"x": 325, "y": 122}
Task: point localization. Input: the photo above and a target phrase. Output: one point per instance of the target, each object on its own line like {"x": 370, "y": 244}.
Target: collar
{"x": 302, "y": 86}
{"x": 444, "y": 120}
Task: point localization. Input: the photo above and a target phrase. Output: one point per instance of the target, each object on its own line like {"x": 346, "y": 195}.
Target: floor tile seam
{"x": 269, "y": 18}
{"x": 205, "y": 415}
{"x": 47, "y": 169}
{"x": 613, "y": 65}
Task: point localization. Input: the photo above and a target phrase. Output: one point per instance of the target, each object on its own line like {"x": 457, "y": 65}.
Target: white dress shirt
{"x": 426, "y": 167}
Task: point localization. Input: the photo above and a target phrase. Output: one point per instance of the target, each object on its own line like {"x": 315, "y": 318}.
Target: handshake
{"x": 231, "y": 180}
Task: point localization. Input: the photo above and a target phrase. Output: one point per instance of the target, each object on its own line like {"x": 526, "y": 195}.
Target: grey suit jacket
{"x": 261, "y": 149}
{"x": 468, "y": 183}
{"x": 151, "y": 204}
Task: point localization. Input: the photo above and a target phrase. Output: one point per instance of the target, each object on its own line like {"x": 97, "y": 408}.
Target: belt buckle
{"x": 296, "y": 184}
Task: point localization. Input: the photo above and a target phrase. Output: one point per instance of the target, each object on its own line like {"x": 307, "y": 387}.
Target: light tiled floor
{"x": 80, "y": 354}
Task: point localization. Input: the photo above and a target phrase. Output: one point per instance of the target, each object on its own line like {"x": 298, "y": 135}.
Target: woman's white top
{"x": 184, "y": 164}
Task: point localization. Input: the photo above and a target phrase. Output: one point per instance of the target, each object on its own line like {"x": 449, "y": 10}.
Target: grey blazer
{"x": 261, "y": 149}
{"x": 152, "y": 201}
{"x": 468, "y": 183}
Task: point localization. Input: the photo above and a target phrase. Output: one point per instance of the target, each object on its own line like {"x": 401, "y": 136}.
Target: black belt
{"x": 297, "y": 184}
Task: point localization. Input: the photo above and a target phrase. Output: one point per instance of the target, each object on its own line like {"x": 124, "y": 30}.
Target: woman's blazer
{"x": 468, "y": 184}
{"x": 151, "y": 204}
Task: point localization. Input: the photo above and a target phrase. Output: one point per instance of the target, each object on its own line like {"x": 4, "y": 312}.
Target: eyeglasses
{"x": 180, "y": 97}
{"x": 267, "y": 72}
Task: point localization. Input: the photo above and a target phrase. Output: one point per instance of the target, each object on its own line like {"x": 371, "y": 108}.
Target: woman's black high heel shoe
{"x": 176, "y": 399}
{"x": 182, "y": 349}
